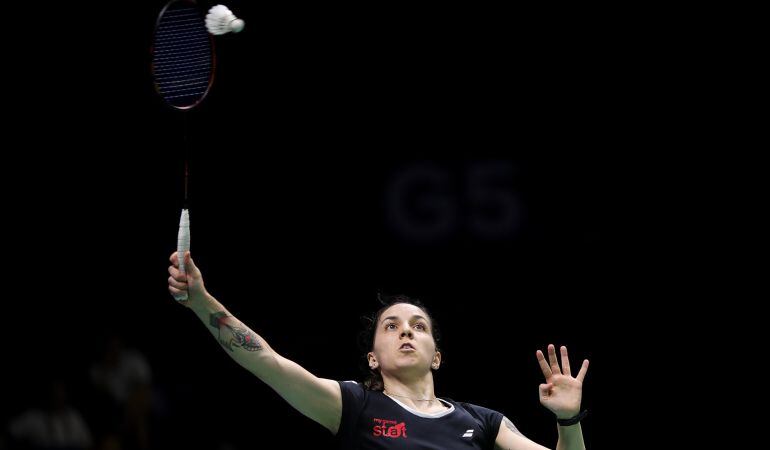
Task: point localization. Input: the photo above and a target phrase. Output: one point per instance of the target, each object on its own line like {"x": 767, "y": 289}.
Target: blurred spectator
{"x": 120, "y": 371}
{"x": 122, "y": 380}
{"x": 54, "y": 425}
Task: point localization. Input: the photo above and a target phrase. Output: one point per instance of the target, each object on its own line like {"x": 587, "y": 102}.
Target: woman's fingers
{"x": 551, "y": 367}
{"x": 545, "y": 390}
{"x": 583, "y": 369}
{"x": 552, "y": 358}
{"x": 543, "y": 365}
{"x": 565, "y": 361}
{"x": 177, "y": 284}
{"x": 177, "y": 274}
{"x": 176, "y": 292}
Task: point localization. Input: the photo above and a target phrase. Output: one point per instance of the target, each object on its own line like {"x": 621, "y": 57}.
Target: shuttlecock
{"x": 220, "y": 20}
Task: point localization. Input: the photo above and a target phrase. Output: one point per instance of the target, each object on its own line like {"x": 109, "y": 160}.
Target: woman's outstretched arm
{"x": 319, "y": 399}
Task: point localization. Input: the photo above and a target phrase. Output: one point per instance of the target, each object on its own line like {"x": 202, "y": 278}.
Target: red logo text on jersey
{"x": 389, "y": 428}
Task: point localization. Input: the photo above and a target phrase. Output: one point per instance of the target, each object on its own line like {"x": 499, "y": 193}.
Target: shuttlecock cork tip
{"x": 237, "y": 25}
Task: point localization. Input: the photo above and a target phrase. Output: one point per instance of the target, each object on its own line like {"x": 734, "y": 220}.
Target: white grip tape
{"x": 182, "y": 246}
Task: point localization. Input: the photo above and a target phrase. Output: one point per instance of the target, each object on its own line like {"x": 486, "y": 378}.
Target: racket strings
{"x": 182, "y": 55}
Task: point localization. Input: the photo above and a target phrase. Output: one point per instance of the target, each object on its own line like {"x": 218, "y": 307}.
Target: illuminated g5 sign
{"x": 426, "y": 202}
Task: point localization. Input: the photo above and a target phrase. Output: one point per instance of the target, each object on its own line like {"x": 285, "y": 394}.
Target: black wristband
{"x": 572, "y": 420}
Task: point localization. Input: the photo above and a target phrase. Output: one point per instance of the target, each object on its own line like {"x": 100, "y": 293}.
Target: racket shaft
{"x": 183, "y": 245}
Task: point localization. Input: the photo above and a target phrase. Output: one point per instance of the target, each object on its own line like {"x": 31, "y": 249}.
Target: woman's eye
{"x": 420, "y": 326}
{"x": 390, "y": 326}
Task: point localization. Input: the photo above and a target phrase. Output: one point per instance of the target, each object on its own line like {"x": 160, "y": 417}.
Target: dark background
{"x": 502, "y": 166}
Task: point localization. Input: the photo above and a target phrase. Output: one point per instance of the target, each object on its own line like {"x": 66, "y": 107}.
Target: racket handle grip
{"x": 182, "y": 246}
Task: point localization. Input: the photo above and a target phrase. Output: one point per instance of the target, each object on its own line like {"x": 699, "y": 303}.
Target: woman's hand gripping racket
{"x": 187, "y": 285}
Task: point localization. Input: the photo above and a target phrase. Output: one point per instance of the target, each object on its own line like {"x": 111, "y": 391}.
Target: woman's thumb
{"x": 545, "y": 389}
{"x": 188, "y": 262}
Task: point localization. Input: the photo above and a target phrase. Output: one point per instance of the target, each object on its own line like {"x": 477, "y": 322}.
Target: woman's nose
{"x": 407, "y": 332}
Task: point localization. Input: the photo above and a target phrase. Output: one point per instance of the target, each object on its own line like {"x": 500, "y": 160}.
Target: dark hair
{"x": 373, "y": 379}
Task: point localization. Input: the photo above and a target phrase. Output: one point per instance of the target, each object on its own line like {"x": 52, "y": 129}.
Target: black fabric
{"x": 372, "y": 420}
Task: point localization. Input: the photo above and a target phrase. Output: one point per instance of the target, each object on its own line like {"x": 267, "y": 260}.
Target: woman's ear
{"x": 372, "y": 360}
{"x": 436, "y": 361}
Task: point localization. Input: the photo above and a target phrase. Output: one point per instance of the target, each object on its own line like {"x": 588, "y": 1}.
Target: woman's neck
{"x": 417, "y": 394}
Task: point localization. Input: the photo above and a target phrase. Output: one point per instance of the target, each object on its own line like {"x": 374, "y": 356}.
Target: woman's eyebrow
{"x": 416, "y": 316}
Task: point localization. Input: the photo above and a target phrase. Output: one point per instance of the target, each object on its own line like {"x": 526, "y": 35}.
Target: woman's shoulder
{"x": 356, "y": 390}
{"x": 474, "y": 409}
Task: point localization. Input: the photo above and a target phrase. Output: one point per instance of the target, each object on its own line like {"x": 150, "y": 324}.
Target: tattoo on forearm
{"x": 511, "y": 426}
{"x": 216, "y": 319}
{"x": 234, "y": 335}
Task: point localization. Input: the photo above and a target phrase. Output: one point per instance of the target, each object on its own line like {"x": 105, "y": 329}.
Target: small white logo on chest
{"x": 468, "y": 433}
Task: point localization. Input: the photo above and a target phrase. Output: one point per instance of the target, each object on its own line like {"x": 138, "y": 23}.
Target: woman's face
{"x": 403, "y": 340}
